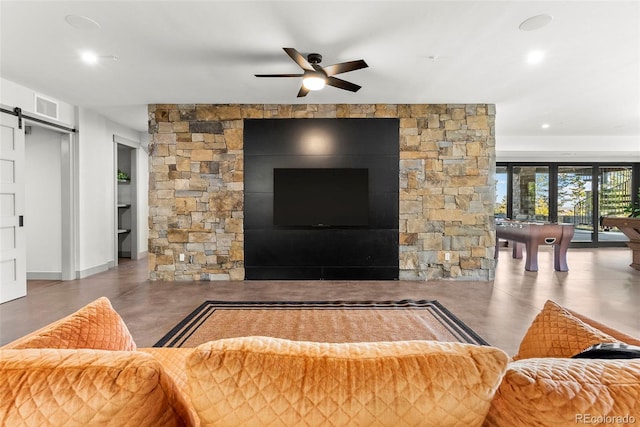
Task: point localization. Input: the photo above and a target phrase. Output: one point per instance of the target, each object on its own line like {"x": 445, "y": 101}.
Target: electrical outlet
{"x": 181, "y": 257}
{"x": 447, "y": 256}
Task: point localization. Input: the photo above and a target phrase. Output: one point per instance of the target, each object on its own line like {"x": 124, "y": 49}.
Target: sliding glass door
{"x": 502, "y": 179}
{"x": 530, "y": 194}
{"x": 575, "y": 200}
{"x": 614, "y": 189}
{"x": 578, "y": 194}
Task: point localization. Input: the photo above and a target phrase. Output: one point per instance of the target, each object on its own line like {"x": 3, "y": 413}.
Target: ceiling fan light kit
{"x": 313, "y": 82}
{"x": 315, "y": 77}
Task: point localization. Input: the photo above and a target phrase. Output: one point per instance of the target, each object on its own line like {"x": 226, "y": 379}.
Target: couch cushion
{"x": 620, "y": 336}
{"x": 567, "y": 392}
{"x": 96, "y": 325}
{"x": 51, "y": 387}
{"x": 557, "y": 333}
{"x": 173, "y": 361}
{"x": 268, "y": 381}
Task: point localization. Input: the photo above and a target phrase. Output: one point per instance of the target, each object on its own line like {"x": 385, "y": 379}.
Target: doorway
{"x": 126, "y": 209}
{"x": 48, "y": 204}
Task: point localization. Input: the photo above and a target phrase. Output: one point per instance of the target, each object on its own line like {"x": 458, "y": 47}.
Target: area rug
{"x": 321, "y": 321}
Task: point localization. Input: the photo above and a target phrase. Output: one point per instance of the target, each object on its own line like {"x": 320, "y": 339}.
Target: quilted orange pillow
{"x": 557, "y": 333}
{"x": 52, "y": 387}
{"x": 96, "y": 325}
{"x": 173, "y": 361}
{"x": 261, "y": 381}
{"x": 567, "y": 392}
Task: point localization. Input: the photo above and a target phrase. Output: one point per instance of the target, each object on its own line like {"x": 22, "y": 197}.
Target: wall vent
{"x": 46, "y": 107}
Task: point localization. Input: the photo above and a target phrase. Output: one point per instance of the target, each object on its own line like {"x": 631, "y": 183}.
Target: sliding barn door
{"x": 13, "y": 275}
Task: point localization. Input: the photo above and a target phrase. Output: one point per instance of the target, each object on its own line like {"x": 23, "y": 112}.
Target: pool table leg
{"x": 517, "y": 249}
{"x": 560, "y": 255}
{"x": 531, "y": 263}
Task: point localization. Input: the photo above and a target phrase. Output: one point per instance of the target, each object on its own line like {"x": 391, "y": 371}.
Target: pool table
{"x": 532, "y": 235}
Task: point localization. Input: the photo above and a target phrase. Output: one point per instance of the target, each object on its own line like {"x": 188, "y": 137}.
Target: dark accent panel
{"x": 360, "y": 273}
{"x": 258, "y": 212}
{"x": 322, "y": 273}
{"x": 283, "y": 273}
{"x": 318, "y": 247}
{"x": 321, "y": 137}
{"x": 359, "y": 252}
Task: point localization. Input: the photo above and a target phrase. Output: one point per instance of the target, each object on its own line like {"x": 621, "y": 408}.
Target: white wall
{"x": 15, "y": 95}
{"x": 43, "y": 195}
{"x": 143, "y": 196}
{"x": 94, "y": 227}
{"x": 95, "y": 194}
{"x": 555, "y": 148}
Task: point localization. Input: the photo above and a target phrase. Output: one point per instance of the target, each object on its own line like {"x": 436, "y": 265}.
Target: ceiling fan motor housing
{"x": 314, "y": 58}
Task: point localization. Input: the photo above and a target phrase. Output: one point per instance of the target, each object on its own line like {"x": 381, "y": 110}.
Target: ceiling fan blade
{"x": 278, "y": 75}
{"x": 344, "y": 67}
{"x": 342, "y": 84}
{"x": 303, "y": 91}
{"x": 298, "y": 58}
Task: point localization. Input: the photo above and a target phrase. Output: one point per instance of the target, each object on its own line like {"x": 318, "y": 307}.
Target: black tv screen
{"x": 331, "y": 197}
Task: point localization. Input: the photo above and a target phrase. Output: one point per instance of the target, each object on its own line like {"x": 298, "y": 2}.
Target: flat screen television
{"x": 329, "y": 197}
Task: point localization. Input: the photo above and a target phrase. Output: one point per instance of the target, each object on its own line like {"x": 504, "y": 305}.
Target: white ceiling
{"x": 209, "y": 51}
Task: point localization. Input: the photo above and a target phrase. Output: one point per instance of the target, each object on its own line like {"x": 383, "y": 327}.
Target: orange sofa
{"x": 85, "y": 369}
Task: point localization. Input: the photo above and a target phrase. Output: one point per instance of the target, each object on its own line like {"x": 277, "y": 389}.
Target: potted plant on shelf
{"x": 123, "y": 176}
{"x": 634, "y": 208}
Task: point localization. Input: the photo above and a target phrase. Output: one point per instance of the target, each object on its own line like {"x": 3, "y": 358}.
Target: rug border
{"x": 451, "y": 319}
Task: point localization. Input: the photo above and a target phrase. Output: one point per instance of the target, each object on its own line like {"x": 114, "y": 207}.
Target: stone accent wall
{"x": 447, "y": 192}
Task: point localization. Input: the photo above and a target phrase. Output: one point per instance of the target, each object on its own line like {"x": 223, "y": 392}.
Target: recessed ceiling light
{"x": 89, "y": 58}
{"x": 82, "y": 22}
{"x": 545, "y": 126}
{"x": 535, "y": 22}
{"x": 535, "y": 57}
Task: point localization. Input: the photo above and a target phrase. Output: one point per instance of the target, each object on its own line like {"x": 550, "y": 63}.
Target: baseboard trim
{"x": 81, "y": 274}
{"x": 44, "y": 275}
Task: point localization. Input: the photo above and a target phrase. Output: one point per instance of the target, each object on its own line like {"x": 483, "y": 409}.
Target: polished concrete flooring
{"x": 600, "y": 284}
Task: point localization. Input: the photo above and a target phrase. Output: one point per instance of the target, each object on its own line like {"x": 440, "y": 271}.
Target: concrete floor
{"x": 600, "y": 284}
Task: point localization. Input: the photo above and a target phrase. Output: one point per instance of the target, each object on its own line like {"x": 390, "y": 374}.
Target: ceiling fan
{"x": 315, "y": 77}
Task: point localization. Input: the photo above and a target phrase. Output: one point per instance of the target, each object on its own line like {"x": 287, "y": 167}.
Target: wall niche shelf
{"x": 125, "y": 208}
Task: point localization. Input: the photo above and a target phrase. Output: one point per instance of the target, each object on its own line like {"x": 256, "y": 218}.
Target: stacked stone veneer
{"x": 447, "y": 194}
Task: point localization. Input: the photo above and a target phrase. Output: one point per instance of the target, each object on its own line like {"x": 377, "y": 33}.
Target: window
{"x": 502, "y": 178}
{"x": 575, "y": 193}
{"x": 575, "y": 200}
{"x": 614, "y": 190}
{"x": 531, "y": 193}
